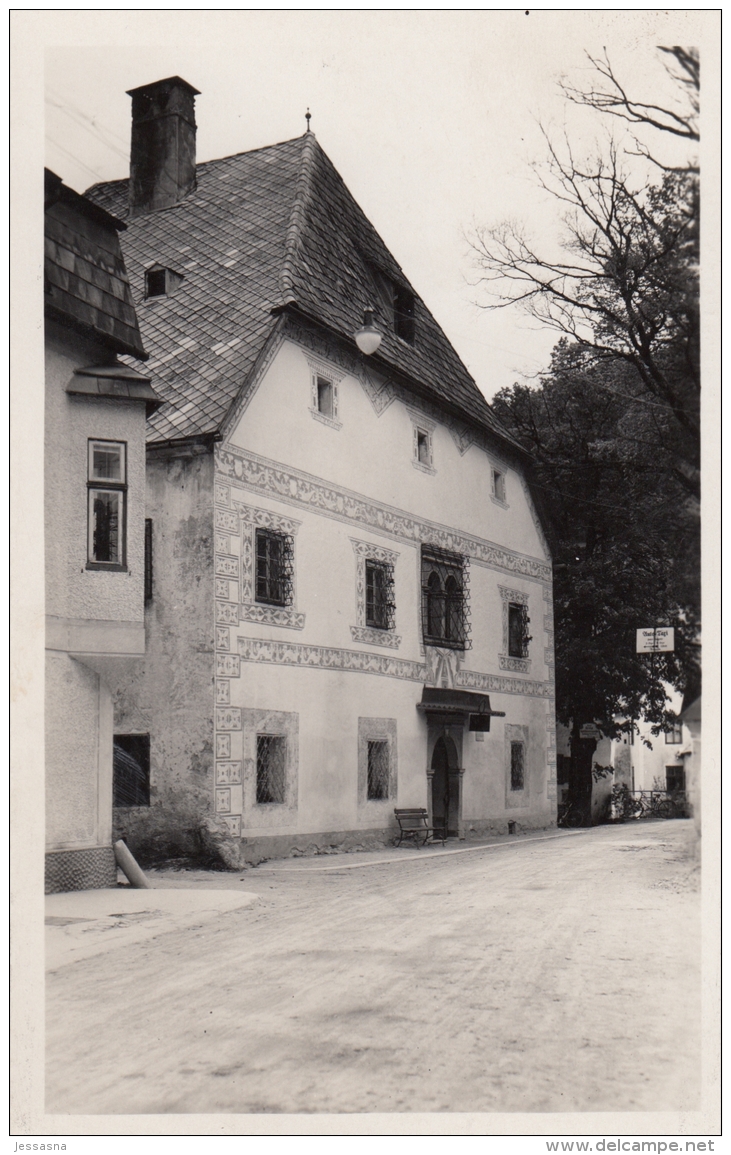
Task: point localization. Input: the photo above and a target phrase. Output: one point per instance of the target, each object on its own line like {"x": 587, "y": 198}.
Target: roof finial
{"x": 308, "y": 116}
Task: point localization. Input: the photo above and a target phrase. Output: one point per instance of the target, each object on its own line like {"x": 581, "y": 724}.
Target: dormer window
{"x": 161, "y": 282}
{"x": 398, "y": 303}
{"x": 403, "y": 314}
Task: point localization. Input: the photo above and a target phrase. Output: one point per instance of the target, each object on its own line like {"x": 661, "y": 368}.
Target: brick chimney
{"x": 162, "y": 160}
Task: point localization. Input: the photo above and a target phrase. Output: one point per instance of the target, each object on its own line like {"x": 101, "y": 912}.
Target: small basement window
{"x": 271, "y": 768}
{"x": 131, "y": 769}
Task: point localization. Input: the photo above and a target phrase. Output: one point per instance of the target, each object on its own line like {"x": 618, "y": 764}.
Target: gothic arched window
{"x": 444, "y": 602}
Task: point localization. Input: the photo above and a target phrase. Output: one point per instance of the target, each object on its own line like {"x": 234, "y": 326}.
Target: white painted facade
{"x": 93, "y": 618}
{"x": 346, "y": 488}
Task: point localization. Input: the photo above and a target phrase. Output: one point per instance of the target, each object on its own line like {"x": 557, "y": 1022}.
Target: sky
{"x": 432, "y": 118}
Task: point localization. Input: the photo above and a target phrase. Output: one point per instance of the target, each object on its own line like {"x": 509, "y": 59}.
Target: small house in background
{"x": 351, "y": 599}
{"x": 94, "y": 458}
{"x": 650, "y": 766}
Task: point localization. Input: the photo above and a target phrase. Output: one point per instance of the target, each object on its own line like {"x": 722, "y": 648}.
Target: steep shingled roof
{"x": 85, "y": 281}
{"x": 274, "y": 228}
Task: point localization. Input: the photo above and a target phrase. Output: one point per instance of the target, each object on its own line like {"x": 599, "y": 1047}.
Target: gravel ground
{"x": 547, "y": 974}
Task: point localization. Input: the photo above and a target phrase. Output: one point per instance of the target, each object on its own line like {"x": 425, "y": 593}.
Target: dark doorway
{"x": 445, "y": 787}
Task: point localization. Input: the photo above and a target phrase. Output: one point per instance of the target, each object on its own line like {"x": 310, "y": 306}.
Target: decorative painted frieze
{"x": 227, "y": 612}
{"x": 328, "y": 658}
{"x": 514, "y": 665}
{"x": 227, "y": 666}
{"x": 442, "y": 667}
{"x": 260, "y": 475}
{"x": 359, "y": 662}
{"x": 380, "y": 396}
{"x": 223, "y": 801}
{"x": 227, "y": 566}
{"x": 228, "y": 773}
{"x": 499, "y": 684}
{"x": 228, "y": 718}
{"x": 232, "y": 824}
{"x": 272, "y": 616}
{"x": 373, "y": 637}
{"x": 223, "y": 745}
{"x": 223, "y": 691}
{"x": 227, "y": 520}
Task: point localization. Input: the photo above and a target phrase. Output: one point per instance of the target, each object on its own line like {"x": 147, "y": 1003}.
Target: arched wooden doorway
{"x": 445, "y": 786}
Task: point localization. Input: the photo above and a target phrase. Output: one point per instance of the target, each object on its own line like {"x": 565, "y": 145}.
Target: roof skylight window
{"x": 161, "y": 282}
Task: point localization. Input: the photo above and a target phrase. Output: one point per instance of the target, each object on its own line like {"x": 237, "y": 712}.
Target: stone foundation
{"x": 474, "y": 829}
{"x": 89, "y": 869}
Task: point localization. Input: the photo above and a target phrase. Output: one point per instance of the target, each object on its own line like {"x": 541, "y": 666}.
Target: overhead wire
{"x": 71, "y": 156}
{"x": 67, "y": 106}
{"x": 89, "y": 127}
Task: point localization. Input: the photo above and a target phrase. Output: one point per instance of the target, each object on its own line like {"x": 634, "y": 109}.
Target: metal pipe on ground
{"x": 127, "y": 863}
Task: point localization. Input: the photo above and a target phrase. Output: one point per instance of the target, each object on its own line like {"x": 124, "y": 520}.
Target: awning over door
{"x": 456, "y": 705}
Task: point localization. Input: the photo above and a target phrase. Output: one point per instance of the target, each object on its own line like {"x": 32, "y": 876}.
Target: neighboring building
{"x": 647, "y": 761}
{"x": 641, "y": 761}
{"x": 349, "y": 576}
{"x": 95, "y": 410}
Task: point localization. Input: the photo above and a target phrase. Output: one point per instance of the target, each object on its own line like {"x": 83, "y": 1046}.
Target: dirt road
{"x": 559, "y": 974}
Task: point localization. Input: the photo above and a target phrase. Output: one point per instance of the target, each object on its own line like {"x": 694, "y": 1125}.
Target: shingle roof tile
{"x": 262, "y": 230}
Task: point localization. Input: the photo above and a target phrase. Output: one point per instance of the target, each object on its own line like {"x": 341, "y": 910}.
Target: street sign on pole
{"x": 656, "y": 640}
{"x": 590, "y": 731}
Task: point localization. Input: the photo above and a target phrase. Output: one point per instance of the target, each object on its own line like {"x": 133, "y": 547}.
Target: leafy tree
{"x": 614, "y": 426}
{"x": 617, "y": 514}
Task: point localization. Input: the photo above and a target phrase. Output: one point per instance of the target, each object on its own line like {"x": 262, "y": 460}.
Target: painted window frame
{"x": 422, "y": 428}
{"x": 96, "y": 485}
{"x": 322, "y": 373}
{"x": 368, "y": 554}
{"x": 285, "y": 563}
{"x": 517, "y": 735}
{"x": 377, "y": 730}
{"x": 507, "y": 660}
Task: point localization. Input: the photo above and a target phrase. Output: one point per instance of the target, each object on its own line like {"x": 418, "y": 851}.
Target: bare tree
{"x": 610, "y": 96}
{"x": 625, "y": 281}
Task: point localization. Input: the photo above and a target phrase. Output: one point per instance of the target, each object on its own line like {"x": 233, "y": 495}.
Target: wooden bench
{"x": 414, "y": 824}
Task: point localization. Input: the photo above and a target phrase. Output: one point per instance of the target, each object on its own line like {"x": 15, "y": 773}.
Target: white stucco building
{"x": 95, "y": 409}
{"x": 351, "y": 589}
